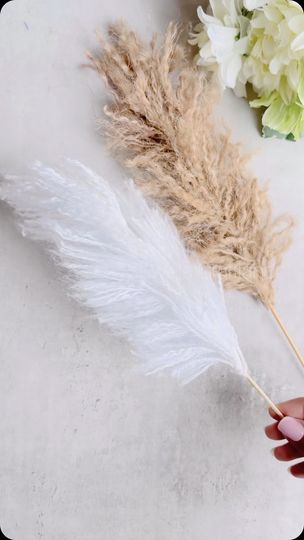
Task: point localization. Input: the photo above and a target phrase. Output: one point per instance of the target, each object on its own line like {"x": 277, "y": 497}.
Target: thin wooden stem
{"x": 264, "y": 396}
{"x": 286, "y": 334}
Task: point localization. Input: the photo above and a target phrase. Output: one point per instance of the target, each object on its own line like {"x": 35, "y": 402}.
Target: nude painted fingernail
{"x": 291, "y": 428}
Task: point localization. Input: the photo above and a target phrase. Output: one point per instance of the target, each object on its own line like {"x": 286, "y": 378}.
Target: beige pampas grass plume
{"x": 161, "y": 121}
{"x": 162, "y": 124}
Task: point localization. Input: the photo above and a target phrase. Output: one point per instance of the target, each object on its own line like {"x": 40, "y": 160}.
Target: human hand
{"x": 291, "y": 427}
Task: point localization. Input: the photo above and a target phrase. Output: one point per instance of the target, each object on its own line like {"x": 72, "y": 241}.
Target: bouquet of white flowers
{"x": 258, "y": 43}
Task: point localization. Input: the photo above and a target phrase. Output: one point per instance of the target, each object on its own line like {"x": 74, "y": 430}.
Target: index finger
{"x": 293, "y": 407}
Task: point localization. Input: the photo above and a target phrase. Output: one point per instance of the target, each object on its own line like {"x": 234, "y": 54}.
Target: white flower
{"x": 260, "y": 42}
{"x": 276, "y": 49}
{"x": 275, "y": 66}
{"x": 222, "y": 38}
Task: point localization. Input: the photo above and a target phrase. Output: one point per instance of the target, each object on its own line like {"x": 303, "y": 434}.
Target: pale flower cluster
{"x": 261, "y": 43}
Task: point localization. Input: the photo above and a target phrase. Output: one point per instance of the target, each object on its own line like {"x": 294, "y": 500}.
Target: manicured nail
{"x": 291, "y": 428}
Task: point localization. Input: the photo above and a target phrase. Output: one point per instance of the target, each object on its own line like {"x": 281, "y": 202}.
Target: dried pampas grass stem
{"x": 290, "y": 340}
{"x": 271, "y": 404}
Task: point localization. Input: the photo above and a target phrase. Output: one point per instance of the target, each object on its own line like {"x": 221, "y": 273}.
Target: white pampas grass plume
{"x": 127, "y": 263}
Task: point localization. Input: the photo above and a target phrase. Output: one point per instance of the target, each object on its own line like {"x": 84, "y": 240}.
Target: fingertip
{"x": 291, "y": 428}
{"x": 293, "y": 472}
{"x": 286, "y": 452}
{"x": 292, "y": 407}
{"x": 273, "y": 433}
{"x": 273, "y": 414}
{"x": 297, "y": 471}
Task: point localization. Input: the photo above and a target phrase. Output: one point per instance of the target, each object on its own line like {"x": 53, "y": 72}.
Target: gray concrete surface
{"x": 89, "y": 449}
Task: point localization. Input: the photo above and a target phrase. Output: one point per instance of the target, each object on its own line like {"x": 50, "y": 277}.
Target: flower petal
{"x": 298, "y": 43}
{"x": 240, "y": 89}
{"x": 241, "y": 45}
{"x": 207, "y": 19}
{"x": 296, "y": 24}
{"x": 281, "y": 117}
{"x": 223, "y": 39}
{"x": 292, "y": 72}
{"x": 254, "y": 4}
{"x": 206, "y": 52}
{"x": 262, "y": 101}
{"x": 275, "y": 65}
{"x": 218, "y": 9}
{"x": 230, "y": 70}
{"x": 300, "y": 88}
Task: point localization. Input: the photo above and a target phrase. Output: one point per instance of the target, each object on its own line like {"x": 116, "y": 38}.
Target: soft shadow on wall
{"x": 188, "y": 9}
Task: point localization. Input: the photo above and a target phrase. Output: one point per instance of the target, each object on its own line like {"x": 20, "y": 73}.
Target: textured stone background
{"x": 91, "y": 450}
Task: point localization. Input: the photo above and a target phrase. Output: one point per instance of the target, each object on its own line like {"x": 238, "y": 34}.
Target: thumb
{"x": 292, "y": 428}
